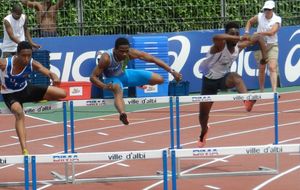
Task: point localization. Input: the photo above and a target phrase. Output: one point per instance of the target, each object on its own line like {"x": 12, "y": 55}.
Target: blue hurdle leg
{"x": 177, "y": 122}
{"x": 65, "y": 127}
{"x": 72, "y": 127}
{"x": 174, "y": 175}
{"x": 276, "y": 117}
{"x": 165, "y": 170}
{"x": 33, "y": 172}
{"x": 26, "y": 172}
{"x": 171, "y": 123}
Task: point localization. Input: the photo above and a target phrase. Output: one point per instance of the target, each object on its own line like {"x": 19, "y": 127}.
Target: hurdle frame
{"x": 26, "y": 160}
{"x": 238, "y": 150}
{"x": 229, "y": 97}
{"x": 104, "y": 156}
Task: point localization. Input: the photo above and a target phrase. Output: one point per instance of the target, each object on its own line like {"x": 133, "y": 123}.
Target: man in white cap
{"x": 268, "y": 26}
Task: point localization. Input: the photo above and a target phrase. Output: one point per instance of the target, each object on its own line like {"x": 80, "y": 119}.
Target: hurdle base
{"x": 118, "y": 179}
{"x": 265, "y": 171}
{"x": 159, "y": 172}
{"x": 21, "y": 183}
{"x": 58, "y": 176}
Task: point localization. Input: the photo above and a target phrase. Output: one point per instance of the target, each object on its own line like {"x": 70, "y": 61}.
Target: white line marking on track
{"x": 212, "y": 187}
{"x": 19, "y": 168}
{"x": 140, "y": 142}
{"x": 103, "y": 166}
{"x": 295, "y": 154}
{"x": 100, "y": 133}
{"x": 53, "y": 122}
{"x": 29, "y": 127}
{"x": 44, "y": 187}
{"x": 48, "y": 145}
{"x": 125, "y": 165}
{"x": 276, "y": 177}
{"x": 14, "y": 137}
{"x": 6, "y": 166}
{"x": 288, "y": 140}
{"x": 205, "y": 164}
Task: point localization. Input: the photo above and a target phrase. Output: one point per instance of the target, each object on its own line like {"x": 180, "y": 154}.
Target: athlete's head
{"x": 232, "y": 28}
{"x": 16, "y": 11}
{"x": 24, "y": 52}
{"x": 121, "y": 41}
{"x": 121, "y": 48}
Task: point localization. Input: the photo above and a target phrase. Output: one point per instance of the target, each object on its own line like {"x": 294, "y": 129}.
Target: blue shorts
{"x": 131, "y": 78}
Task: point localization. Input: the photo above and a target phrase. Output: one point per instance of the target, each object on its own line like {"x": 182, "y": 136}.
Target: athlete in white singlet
{"x": 216, "y": 70}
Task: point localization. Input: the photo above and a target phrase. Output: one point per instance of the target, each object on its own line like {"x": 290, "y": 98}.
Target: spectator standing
{"x": 46, "y": 15}
{"x": 268, "y": 26}
{"x": 15, "y": 31}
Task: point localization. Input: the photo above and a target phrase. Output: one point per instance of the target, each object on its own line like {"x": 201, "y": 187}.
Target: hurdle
{"x": 89, "y": 157}
{"x": 128, "y": 101}
{"x": 222, "y": 151}
{"x": 223, "y": 98}
{"x": 205, "y": 152}
{"x": 36, "y": 108}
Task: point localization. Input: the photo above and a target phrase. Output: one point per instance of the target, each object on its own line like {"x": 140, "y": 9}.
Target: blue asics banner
{"x": 73, "y": 58}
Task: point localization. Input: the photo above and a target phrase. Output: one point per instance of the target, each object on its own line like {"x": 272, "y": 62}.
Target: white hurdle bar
{"x": 87, "y": 157}
{"x": 222, "y": 151}
{"x": 38, "y": 108}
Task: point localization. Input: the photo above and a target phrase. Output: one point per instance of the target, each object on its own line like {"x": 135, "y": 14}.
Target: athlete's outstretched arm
{"x": 136, "y": 54}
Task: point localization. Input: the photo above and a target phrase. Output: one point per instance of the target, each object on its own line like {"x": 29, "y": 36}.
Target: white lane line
{"x": 48, "y": 145}
{"x": 29, "y": 127}
{"x": 205, "y": 164}
{"x": 288, "y": 140}
{"x": 6, "y": 166}
{"x": 294, "y": 154}
{"x": 212, "y": 187}
{"x": 276, "y": 177}
{"x": 140, "y": 142}
{"x": 153, "y": 185}
{"x": 124, "y": 165}
{"x": 44, "y": 187}
{"x": 20, "y": 168}
{"x": 103, "y": 166}
{"x": 100, "y": 133}
{"x": 14, "y": 137}
{"x": 37, "y": 118}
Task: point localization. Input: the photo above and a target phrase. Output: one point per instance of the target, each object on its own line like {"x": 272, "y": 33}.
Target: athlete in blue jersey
{"x": 112, "y": 65}
{"x": 15, "y": 90}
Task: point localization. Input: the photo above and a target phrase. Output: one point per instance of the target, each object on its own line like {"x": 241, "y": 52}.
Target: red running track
{"x": 148, "y": 130}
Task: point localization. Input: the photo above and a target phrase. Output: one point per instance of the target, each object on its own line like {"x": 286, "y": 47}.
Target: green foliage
{"x": 139, "y": 16}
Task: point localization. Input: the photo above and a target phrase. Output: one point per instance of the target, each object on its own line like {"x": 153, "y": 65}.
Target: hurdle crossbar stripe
{"x": 128, "y": 101}
{"x": 226, "y": 97}
{"x": 237, "y": 150}
{"x": 85, "y": 157}
{"x": 36, "y": 109}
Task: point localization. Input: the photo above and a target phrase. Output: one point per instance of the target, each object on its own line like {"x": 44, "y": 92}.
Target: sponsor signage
{"x": 73, "y": 58}
{"x": 127, "y": 156}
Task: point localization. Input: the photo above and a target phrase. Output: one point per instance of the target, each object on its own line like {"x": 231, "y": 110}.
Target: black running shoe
{"x": 123, "y": 118}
